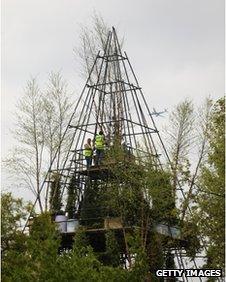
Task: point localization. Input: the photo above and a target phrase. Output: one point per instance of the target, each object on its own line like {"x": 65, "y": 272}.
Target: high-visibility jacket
{"x": 99, "y": 142}
{"x": 88, "y": 150}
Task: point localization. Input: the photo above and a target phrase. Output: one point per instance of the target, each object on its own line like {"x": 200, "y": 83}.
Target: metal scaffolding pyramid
{"x": 111, "y": 101}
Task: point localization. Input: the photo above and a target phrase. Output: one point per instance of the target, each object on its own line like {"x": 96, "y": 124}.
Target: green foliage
{"x": 142, "y": 196}
{"x": 190, "y": 233}
{"x": 36, "y": 258}
{"x": 41, "y": 116}
{"x": 140, "y": 267}
{"x": 43, "y": 244}
{"x": 180, "y": 133}
{"x": 112, "y": 253}
{"x": 81, "y": 244}
{"x": 13, "y": 213}
{"x": 55, "y": 194}
{"x": 138, "y": 194}
{"x": 160, "y": 191}
{"x": 210, "y": 199}
{"x": 93, "y": 204}
{"x": 155, "y": 252}
{"x": 71, "y": 197}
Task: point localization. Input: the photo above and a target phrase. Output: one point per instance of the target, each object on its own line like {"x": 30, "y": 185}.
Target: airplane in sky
{"x": 158, "y": 113}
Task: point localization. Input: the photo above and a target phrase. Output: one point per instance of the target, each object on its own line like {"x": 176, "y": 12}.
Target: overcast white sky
{"x": 175, "y": 46}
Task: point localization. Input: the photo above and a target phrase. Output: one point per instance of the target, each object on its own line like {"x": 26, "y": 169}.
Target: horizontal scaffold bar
{"x": 112, "y": 122}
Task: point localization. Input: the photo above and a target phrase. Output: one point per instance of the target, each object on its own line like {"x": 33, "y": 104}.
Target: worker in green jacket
{"x": 88, "y": 152}
{"x": 99, "y": 146}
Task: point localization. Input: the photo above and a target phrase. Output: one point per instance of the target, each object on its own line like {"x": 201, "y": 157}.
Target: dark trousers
{"x": 88, "y": 162}
{"x": 99, "y": 156}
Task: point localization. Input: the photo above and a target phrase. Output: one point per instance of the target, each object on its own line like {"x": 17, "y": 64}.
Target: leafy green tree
{"x": 210, "y": 197}
{"x": 180, "y": 135}
{"x": 55, "y": 203}
{"x": 13, "y": 213}
{"x": 140, "y": 267}
{"x": 81, "y": 244}
{"x": 155, "y": 252}
{"x": 112, "y": 254}
{"x": 92, "y": 205}
{"x": 190, "y": 233}
{"x": 42, "y": 247}
{"x": 72, "y": 191}
{"x": 37, "y": 258}
{"x": 41, "y": 118}
{"x": 33, "y": 258}
{"x": 160, "y": 190}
